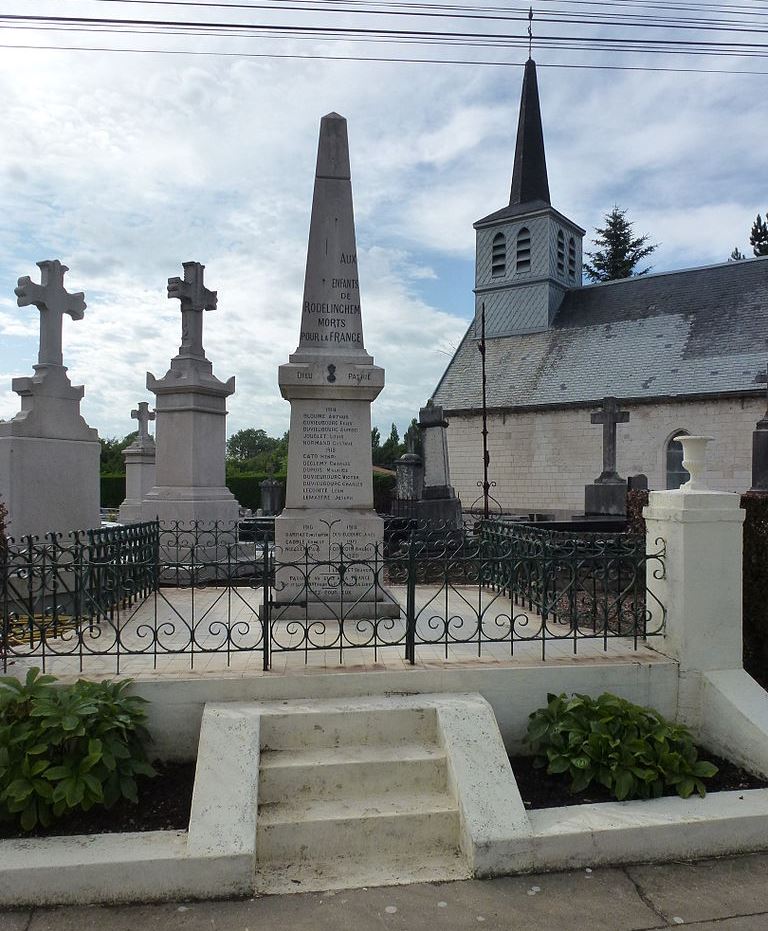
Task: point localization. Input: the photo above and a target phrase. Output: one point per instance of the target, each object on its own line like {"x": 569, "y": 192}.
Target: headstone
{"x": 637, "y": 482}
{"x": 760, "y": 451}
{"x": 139, "y": 467}
{"x": 608, "y": 494}
{"x": 49, "y": 456}
{"x": 439, "y": 503}
{"x": 330, "y": 382}
{"x": 409, "y": 482}
{"x": 191, "y": 408}
{"x": 271, "y": 495}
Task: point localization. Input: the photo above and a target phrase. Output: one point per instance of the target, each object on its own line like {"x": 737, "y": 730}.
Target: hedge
{"x": 246, "y": 487}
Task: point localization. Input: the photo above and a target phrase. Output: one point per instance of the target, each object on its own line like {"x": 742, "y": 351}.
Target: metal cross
{"x": 609, "y": 416}
{"x": 143, "y": 414}
{"x": 195, "y": 298}
{"x": 53, "y": 301}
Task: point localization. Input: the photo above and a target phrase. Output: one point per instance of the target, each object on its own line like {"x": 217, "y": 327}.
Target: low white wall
{"x": 176, "y": 705}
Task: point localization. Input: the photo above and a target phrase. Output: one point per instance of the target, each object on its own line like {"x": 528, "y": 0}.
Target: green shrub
{"x": 112, "y": 490}
{"x": 632, "y": 751}
{"x": 755, "y": 588}
{"x": 68, "y": 748}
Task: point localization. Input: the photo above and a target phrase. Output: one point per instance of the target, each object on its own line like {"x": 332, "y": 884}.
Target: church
{"x": 684, "y": 352}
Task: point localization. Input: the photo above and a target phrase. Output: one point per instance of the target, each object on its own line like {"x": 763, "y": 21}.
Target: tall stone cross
{"x": 609, "y": 416}
{"x": 195, "y": 298}
{"x": 143, "y": 414}
{"x": 53, "y": 301}
{"x": 762, "y": 378}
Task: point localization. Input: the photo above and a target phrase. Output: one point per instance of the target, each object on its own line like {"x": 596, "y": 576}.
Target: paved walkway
{"x": 729, "y": 894}
{"x": 170, "y": 632}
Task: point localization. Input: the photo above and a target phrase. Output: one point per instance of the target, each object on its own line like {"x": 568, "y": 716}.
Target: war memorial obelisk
{"x": 330, "y": 382}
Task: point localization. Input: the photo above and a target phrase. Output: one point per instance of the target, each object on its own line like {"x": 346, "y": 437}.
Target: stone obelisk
{"x": 330, "y": 382}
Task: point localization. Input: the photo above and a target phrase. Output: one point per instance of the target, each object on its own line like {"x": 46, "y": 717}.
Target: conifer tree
{"x": 737, "y": 255}
{"x": 618, "y": 250}
{"x": 758, "y": 238}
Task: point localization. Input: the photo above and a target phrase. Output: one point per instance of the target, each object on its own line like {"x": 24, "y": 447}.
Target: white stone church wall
{"x": 542, "y": 460}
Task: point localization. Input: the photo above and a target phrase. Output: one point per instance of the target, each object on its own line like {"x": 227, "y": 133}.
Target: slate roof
{"x": 697, "y": 332}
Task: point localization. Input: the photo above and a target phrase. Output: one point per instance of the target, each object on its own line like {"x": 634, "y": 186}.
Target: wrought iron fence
{"x": 156, "y": 595}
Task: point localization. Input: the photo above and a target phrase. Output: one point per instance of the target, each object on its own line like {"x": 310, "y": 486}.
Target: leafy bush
{"x": 755, "y": 588}
{"x": 632, "y": 751}
{"x": 67, "y": 748}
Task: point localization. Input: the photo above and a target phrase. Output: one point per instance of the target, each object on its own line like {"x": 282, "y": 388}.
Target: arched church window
{"x": 560, "y": 253}
{"x": 523, "y": 263}
{"x": 499, "y": 255}
{"x": 571, "y": 257}
{"x": 676, "y": 474}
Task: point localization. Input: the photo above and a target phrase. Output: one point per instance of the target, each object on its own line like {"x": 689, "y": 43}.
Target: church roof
{"x": 697, "y": 332}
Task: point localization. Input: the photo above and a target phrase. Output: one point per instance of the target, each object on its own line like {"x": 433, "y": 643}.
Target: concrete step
{"x": 355, "y": 873}
{"x": 394, "y": 727}
{"x": 374, "y": 827}
{"x": 351, "y": 772}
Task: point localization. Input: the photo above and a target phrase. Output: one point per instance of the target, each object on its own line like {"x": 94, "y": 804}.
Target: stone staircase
{"x": 351, "y": 798}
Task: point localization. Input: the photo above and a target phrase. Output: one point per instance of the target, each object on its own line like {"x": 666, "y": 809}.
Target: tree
{"x": 412, "y": 437}
{"x": 618, "y": 250}
{"x": 112, "y": 461}
{"x": 737, "y": 255}
{"x": 758, "y": 238}
{"x": 247, "y": 444}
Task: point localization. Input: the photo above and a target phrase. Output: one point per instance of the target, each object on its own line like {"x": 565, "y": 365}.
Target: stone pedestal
{"x": 190, "y": 404}
{"x": 139, "y": 481}
{"x": 605, "y": 499}
{"x": 439, "y": 503}
{"x": 49, "y": 456}
{"x": 271, "y": 497}
{"x": 329, "y": 521}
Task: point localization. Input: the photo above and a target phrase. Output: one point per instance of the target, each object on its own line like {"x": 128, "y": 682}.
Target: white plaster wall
{"x": 542, "y": 460}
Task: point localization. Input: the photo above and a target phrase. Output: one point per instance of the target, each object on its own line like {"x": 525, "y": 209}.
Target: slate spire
{"x": 529, "y": 176}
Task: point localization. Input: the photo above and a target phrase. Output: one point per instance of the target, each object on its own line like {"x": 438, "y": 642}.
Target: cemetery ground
{"x": 726, "y": 894}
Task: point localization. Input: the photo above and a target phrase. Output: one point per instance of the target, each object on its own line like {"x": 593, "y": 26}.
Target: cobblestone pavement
{"x": 727, "y": 894}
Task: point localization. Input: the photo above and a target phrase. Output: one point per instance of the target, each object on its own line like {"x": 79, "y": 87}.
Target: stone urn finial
{"x": 694, "y": 455}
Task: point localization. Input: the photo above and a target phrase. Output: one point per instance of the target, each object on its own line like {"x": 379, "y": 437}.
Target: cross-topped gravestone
{"x": 609, "y": 416}
{"x": 53, "y": 301}
{"x": 195, "y": 298}
{"x": 143, "y": 414}
{"x": 762, "y": 378}
{"x": 760, "y": 446}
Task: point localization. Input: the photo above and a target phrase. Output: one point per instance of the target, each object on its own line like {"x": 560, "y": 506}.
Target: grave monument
{"x": 760, "y": 452}
{"x": 139, "y": 467}
{"x": 607, "y": 496}
{"x": 190, "y": 435}
{"x": 49, "y": 456}
{"x": 330, "y": 382}
{"x": 439, "y": 503}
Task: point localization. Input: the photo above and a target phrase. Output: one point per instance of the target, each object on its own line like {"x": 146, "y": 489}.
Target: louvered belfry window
{"x": 560, "y": 253}
{"x": 524, "y": 250}
{"x": 499, "y": 255}
{"x": 572, "y": 257}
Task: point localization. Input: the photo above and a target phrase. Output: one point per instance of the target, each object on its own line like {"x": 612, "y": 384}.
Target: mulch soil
{"x": 164, "y": 805}
{"x": 538, "y": 790}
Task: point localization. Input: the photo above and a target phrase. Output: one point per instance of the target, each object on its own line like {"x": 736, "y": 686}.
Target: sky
{"x": 124, "y": 165}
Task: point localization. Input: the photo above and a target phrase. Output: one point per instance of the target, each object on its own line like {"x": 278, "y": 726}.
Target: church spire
{"x": 529, "y": 177}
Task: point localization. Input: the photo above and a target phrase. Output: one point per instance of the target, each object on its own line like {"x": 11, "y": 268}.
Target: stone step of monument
{"x": 366, "y": 727}
{"x": 347, "y": 872}
{"x": 351, "y": 772}
{"x": 319, "y": 830}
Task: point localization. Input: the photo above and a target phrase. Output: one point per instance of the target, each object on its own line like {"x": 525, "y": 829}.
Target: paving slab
{"x": 745, "y": 923}
{"x": 606, "y": 900}
{"x": 15, "y": 921}
{"x": 707, "y": 889}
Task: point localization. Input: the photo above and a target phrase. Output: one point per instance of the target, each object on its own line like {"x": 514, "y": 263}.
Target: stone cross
{"x": 53, "y": 301}
{"x": 143, "y": 415}
{"x": 609, "y": 416}
{"x": 195, "y": 298}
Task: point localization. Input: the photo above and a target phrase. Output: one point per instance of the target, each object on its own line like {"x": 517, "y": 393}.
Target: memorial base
{"x": 49, "y": 484}
{"x": 609, "y": 499}
{"x": 185, "y": 506}
{"x": 444, "y": 512}
{"x": 386, "y": 607}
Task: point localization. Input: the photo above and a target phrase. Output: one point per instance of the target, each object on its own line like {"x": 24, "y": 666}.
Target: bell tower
{"x": 528, "y": 254}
